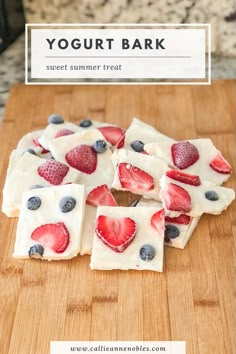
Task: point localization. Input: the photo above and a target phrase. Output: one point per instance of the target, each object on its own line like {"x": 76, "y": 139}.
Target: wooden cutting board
{"x": 192, "y": 300}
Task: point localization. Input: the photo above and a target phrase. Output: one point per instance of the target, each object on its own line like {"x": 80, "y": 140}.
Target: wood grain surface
{"x": 192, "y": 300}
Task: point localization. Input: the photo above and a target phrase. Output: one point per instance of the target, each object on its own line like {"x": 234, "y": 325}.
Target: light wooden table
{"x": 192, "y": 300}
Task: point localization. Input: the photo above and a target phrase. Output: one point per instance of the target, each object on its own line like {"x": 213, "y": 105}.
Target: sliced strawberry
{"x": 176, "y": 198}
{"x": 182, "y": 219}
{"x": 83, "y": 158}
{"x": 112, "y": 134}
{"x": 121, "y": 142}
{"x": 101, "y": 195}
{"x": 64, "y": 132}
{"x": 134, "y": 179}
{"x": 219, "y": 164}
{"x": 53, "y": 171}
{"x": 183, "y": 177}
{"x": 55, "y": 236}
{"x": 116, "y": 233}
{"x": 158, "y": 221}
{"x": 184, "y": 154}
{"x": 37, "y": 143}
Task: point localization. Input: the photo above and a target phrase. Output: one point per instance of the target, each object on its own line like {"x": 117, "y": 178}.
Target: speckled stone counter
{"x": 12, "y": 68}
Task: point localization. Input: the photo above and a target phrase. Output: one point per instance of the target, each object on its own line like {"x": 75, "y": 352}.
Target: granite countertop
{"x": 12, "y": 69}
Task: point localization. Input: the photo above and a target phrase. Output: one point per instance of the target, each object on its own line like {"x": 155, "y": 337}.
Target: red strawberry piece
{"x": 116, "y": 233}
{"x": 101, "y": 195}
{"x": 134, "y": 179}
{"x": 158, "y": 221}
{"x": 112, "y": 134}
{"x": 182, "y": 219}
{"x": 37, "y": 143}
{"x": 53, "y": 171}
{"x": 64, "y": 132}
{"x": 184, "y": 154}
{"x": 176, "y": 198}
{"x": 83, "y": 158}
{"x": 121, "y": 142}
{"x": 219, "y": 164}
{"x": 184, "y": 177}
{"x": 55, "y": 236}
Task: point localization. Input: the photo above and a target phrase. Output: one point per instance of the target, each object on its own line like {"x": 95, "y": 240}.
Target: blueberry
{"x": 36, "y": 251}
{"x": 211, "y": 195}
{"x": 33, "y": 203}
{"x": 31, "y": 151}
{"x": 35, "y": 186}
{"x": 137, "y": 145}
{"x": 85, "y": 123}
{"x": 66, "y": 204}
{"x": 100, "y": 146}
{"x": 147, "y": 252}
{"x": 55, "y": 119}
{"x": 133, "y": 203}
{"x": 171, "y": 231}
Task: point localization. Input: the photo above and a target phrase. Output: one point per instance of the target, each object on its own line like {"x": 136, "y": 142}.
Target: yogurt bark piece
{"x": 50, "y": 223}
{"x": 98, "y": 196}
{"x": 29, "y": 171}
{"x": 139, "y": 133}
{"x": 177, "y": 230}
{"x": 198, "y": 156}
{"x": 128, "y": 238}
{"x": 31, "y": 140}
{"x": 138, "y": 173}
{"x": 53, "y": 131}
{"x": 184, "y": 193}
{"x": 78, "y": 151}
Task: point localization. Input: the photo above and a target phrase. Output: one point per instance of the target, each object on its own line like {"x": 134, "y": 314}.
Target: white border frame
{"x": 207, "y": 25}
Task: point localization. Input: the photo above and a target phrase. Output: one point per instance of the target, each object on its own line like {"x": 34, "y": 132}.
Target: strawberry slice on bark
{"x": 183, "y": 177}
{"x": 184, "y": 154}
{"x": 176, "y": 198}
{"x": 54, "y": 236}
{"x": 82, "y": 158}
{"x": 182, "y": 219}
{"x": 134, "y": 179}
{"x": 113, "y": 135}
{"x": 116, "y": 233}
{"x": 220, "y": 165}
{"x": 53, "y": 171}
{"x": 158, "y": 221}
{"x": 101, "y": 195}
{"x": 37, "y": 143}
{"x": 64, "y": 132}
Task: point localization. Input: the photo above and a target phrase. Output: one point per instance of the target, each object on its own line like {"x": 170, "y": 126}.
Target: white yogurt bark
{"x": 200, "y": 155}
{"x": 143, "y": 132}
{"x": 50, "y": 222}
{"x": 194, "y": 200}
{"x": 98, "y": 166}
{"x": 143, "y": 252}
{"x": 52, "y": 130}
{"x": 29, "y": 171}
{"x": 31, "y": 140}
{"x": 178, "y": 230}
{"x": 138, "y": 173}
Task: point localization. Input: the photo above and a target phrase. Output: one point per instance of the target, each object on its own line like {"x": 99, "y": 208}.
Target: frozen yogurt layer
{"x": 98, "y": 196}
{"x": 177, "y": 230}
{"x": 138, "y": 173}
{"x": 29, "y": 171}
{"x": 50, "y": 223}
{"x": 184, "y": 193}
{"x": 88, "y": 153}
{"x": 128, "y": 238}
{"x": 139, "y": 133}
{"x": 198, "y": 156}
{"x": 31, "y": 141}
